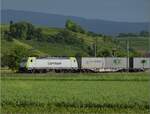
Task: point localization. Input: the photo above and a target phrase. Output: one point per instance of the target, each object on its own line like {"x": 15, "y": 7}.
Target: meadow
{"x": 105, "y": 93}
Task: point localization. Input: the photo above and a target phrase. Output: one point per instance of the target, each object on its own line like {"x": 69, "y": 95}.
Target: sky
{"x": 115, "y": 10}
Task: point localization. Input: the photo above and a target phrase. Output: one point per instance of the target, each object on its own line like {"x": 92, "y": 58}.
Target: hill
{"x": 53, "y": 20}
{"x": 83, "y": 44}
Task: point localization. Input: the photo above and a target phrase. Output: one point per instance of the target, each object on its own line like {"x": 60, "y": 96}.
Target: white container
{"x": 92, "y": 62}
{"x": 116, "y": 62}
{"x": 141, "y": 62}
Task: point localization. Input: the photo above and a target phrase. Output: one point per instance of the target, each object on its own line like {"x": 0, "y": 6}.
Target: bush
{"x": 104, "y": 53}
{"x": 70, "y": 25}
{"x": 69, "y": 38}
{"x": 13, "y": 59}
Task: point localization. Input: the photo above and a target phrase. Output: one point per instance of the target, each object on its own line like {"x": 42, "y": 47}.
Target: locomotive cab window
{"x": 31, "y": 60}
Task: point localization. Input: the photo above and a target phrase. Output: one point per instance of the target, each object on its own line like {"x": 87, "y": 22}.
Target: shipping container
{"x": 92, "y": 63}
{"x": 116, "y": 62}
{"x": 141, "y": 62}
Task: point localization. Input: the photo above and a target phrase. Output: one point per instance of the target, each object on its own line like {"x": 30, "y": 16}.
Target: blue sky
{"x": 116, "y": 10}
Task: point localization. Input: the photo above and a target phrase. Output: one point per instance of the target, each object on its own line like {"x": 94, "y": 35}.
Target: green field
{"x": 106, "y": 93}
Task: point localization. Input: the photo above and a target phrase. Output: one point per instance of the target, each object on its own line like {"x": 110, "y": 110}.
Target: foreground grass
{"x": 76, "y": 93}
{"x": 142, "y": 76}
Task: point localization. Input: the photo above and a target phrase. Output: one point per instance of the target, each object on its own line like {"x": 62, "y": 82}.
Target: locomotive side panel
{"x": 53, "y": 63}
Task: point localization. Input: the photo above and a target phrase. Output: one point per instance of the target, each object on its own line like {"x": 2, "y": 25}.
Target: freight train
{"x": 84, "y": 64}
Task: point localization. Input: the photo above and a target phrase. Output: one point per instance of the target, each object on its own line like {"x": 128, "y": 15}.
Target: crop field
{"x": 104, "y": 93}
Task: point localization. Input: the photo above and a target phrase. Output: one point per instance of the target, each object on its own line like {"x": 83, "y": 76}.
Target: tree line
{"x": 27, "y": 31}
{"x": 143, "y": 33}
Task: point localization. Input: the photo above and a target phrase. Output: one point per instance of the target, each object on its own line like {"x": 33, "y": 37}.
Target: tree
{"x": 38, "y": 34}
{"x": 90, "y": 33}
{"x": 90, "y": 50}
{"x": 104, "y": 53}
{"x": 13, "y": 59}
{"x": 24, "y": 30}
{"x": 18, "y": 30}
{"x": 127, "y": 35}
{"x": 70, "y": 25}
{"x": 107, "y": 38}
{"x": 30, "y": 32}
{"x": 144, "y": 33}
{"x": 81, "y": 54}
{"x": 11, "y": 23}
{"x": 7, "y": 36}
{"x": 7, "y": 33}
{"x": 67, "y": 37}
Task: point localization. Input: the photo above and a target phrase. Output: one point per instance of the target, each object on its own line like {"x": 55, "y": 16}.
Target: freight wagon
{"x": 93, "y": 64}
{"x": 104, "y": 64}
{"x": 140, "y": 62}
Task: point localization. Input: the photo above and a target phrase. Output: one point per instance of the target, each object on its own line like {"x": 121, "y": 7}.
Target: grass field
{"x": 105, "y": 93}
